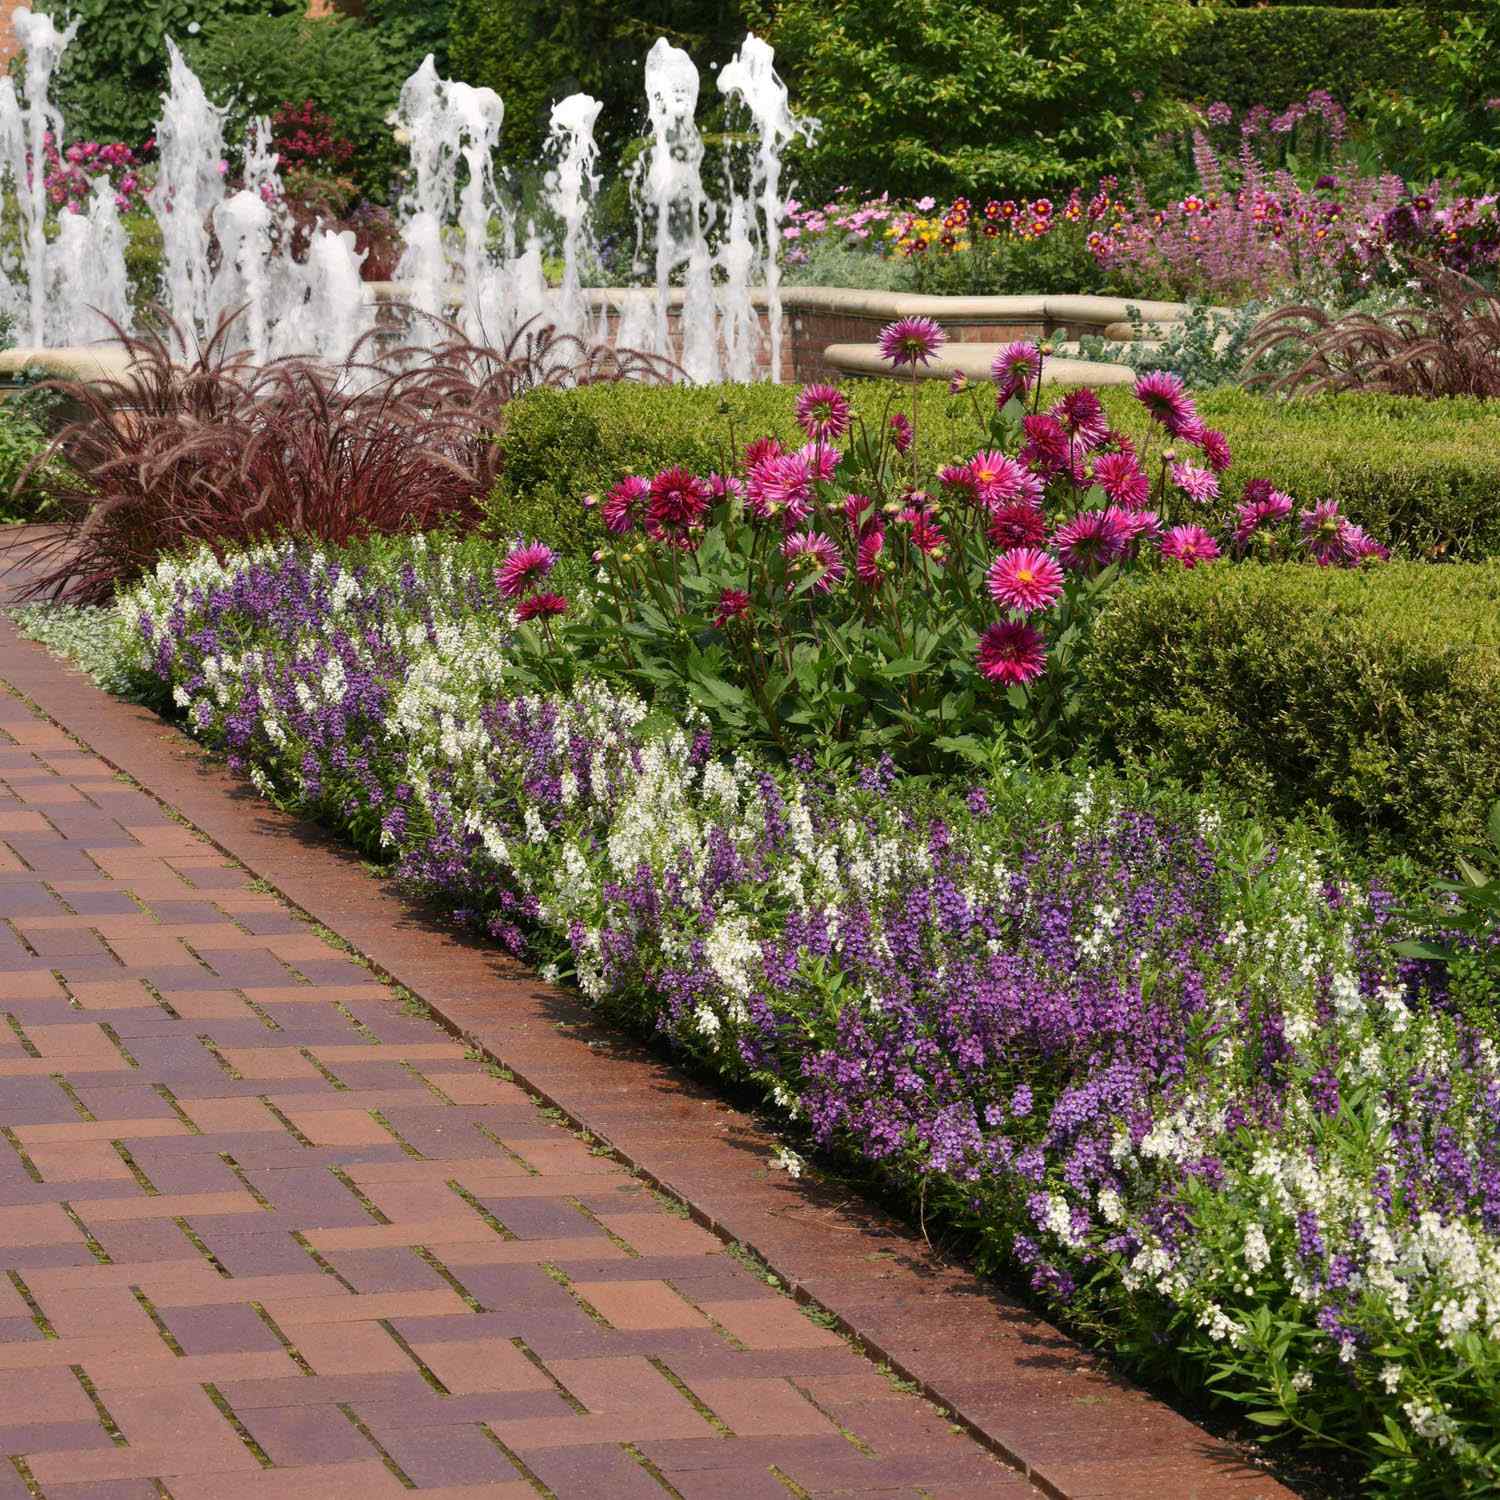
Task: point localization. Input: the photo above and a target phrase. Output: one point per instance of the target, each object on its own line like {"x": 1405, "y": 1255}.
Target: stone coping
{"x": 973, "y": 361}
{"x": 1026, "y": 1391}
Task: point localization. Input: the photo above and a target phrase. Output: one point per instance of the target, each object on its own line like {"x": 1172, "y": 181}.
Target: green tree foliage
{"x": 1439, "y": 120}
{"x": 342, "y": 65}
{"x": 534, "y": 52}
{"x": 947, "y": 96}
{"x": 410, "y": 29}
{"x": 113, "y": 74}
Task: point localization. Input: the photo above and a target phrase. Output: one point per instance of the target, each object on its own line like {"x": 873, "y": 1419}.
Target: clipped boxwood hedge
{"x": 1279, "y": 53}
{"x": 1373, "y": 694}
{"x": 1423, "y": 476}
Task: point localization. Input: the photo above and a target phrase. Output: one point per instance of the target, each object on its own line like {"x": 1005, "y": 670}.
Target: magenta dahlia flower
{"x": 959, "y": 478}
{"x": 734, "y": 604}
{"x": 625, "y": 505}
{"x": 1165, "y": 397}
{"x": 911, "y": 341}
{"x": 823, "y": 459}
{"x": 1257, "y": 516}
{"x": 526, "y": 566}
{"x": 925, "y": 534}
{"x": 679, "y": 500}
{"x": 542, "y": 607}
{"x": 1047, "y": 445}
{"x": 725, "y": 486}
{"x": 1081, "y": 416}
{"x": 1092, "y": 539}
{"x": 1018, "y": 524}
{"x": 1323, "y": 526}
{"x": 901, "y": 432}
{"x": 761, "y": 449}
{"x": 1012, "y": 652}
{"x": 822, "y": 411}
{"x": 1200, "y": 485}
{"x": 1134, "y": 523}
{"x": 870, "y": 560}
{"x": 813, "y": 552}
{"x": 1122, "y": 479}
{"x": 1025, "y": 578}
{"x": 1359, "y": 547}
{"x": 1016, "y": 369}
{"x": 1189, "y": 545}
{"x": 1215, "y": 449}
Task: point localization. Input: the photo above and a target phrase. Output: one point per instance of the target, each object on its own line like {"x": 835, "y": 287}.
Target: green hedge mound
{"x": 1373, "y": 694}
{"x": 1422, "y": 476}
{"x": 1280, "y": 53}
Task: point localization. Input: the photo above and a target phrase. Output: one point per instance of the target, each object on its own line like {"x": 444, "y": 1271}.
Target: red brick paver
{"x": 266, "y": 1233}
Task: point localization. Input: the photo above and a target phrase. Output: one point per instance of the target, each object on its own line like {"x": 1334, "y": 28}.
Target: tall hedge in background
{"x": 946, "y": 96}
{"x": 534, "y": 52}
{"x": 1279, "y": 53}
{"x": 113, "y": 74}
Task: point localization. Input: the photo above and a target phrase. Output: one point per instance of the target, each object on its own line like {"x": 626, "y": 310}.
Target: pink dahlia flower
{"x": 761, "y": 449}
{"x": 911, "y": 341}
{"x": 625, "y": 505}
{"x": 1134, "y": 523}
{"x": 1165, "y": 397}
{"x": 780, "y": 486}
{"x": 813, "y": 552}
{"x": 870, "y": 560}
{"x": 1025, "y": 578}
{"x": 1189, "y": 545}
{"x": 1215, "y": 449}
{"x": 526, "y": 566}
{"x": 823, "y": 459}
{"x": 1122, "y": 479}
{"x": 901, "y": 433}
{"x": 822, "y": 411}
{"x": 1200, "y": 485}
{"x": 1323, "y": 527}
{"x": 1012, "y": 652}
{"x": 1047, "y": 445}
{"x": 542, "y": 607}
{"x": 679, "y": 500}
{"x": 998, "y": 479}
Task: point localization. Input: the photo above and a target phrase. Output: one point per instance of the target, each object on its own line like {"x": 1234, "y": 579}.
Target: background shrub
{"x": 22, "y": 439}
{"x": 1275, "y": 55}
{"x": 1373, "y": 694}
{"x": 971, "y": 96}
{"x": 1422, "y": 476}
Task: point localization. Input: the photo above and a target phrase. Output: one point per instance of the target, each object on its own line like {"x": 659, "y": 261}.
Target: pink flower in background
{"x": 1135, "y": 524}
{"x": 1012, "y": 652}
{"x": 1189, "y": 545}
{"x": 822, "y": 411}
{"x": 911, "y": 341}
{"x": 780, "y": 485}
{"x": 901, "y": 433}
{"x": 625, "y": 505}
{"x": 960, "y": 479}
{"x": 1260, "y": 511}
{"x": 761, "y": 448}
{"x": 1199, "y": 485}
{"x": 1025, "y": 578}
{"x": 813, "y": 552}
{"x": 1322, "y": 526}
{"x": 526, "y": 566}
{"x": 542, "y": 607}
{"x": 822, "y": 460}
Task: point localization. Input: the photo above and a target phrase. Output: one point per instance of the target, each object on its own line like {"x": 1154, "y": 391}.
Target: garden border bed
{"x": 1026, "y": 1391}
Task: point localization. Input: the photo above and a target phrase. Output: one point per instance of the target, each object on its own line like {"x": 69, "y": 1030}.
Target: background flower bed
{"x": 1422, "y": 476}
{"x": 1104, "y": 1029}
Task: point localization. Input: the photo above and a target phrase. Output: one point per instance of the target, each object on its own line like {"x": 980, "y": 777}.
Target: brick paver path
{"x": 268, "y": 1233}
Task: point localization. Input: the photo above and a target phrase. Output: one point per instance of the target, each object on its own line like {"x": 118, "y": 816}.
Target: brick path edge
{"x": 1034, "y": 1397}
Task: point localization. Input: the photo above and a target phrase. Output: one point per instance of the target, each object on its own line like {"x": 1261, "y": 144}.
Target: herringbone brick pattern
{"x": 267, "y": 1233}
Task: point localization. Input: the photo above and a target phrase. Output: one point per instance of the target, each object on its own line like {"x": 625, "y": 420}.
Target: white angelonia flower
{"x": 707, "y": 1020}
{"x": 787, "y": 1160}
{"x": 1302, "y": 1380}
{"x": 732, "y": 953}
